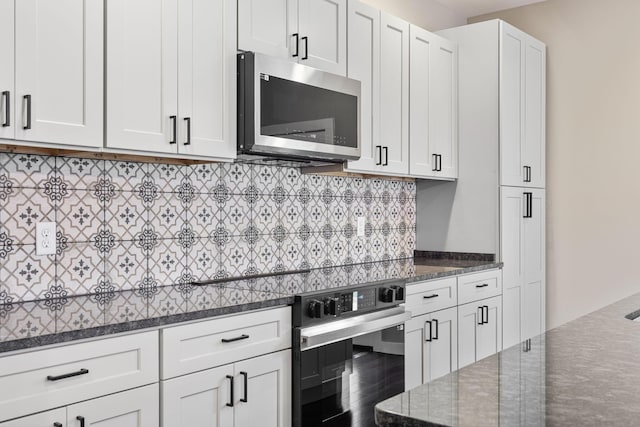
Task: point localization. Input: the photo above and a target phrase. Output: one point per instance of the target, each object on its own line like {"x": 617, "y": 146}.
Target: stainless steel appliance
{"x": 294, "y": 112}
{"x": 347, "y": 353}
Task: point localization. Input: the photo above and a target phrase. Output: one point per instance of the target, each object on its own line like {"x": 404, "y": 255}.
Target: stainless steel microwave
{"x": 293, "y": 112}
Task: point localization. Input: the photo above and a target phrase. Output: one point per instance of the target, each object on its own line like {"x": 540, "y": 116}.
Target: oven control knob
{"x": 399, "y": 292}
{"x": 316, "y": 309}
{"x": 332, "y": 306}
{"x": 386, "y": 295}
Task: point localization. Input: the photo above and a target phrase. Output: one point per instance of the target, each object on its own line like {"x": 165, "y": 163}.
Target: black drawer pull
{"x": 245, "y": 399}
{"x": 484, "y": 285}
{"x": 240, "y": 338}
{"x": 69, "y": 375}
{"x": 57, "y": 424}
{"x": 231, "y": 398}
{"x": 430, "y": 296}
{"x": 81, "y": 419}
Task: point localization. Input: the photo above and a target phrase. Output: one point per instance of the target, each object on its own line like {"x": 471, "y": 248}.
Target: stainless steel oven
{"x": 292, "y": 111}
{"x": 347, "y": 353}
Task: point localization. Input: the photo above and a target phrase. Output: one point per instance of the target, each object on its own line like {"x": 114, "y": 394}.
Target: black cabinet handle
{"x": 430, "y": 296}
{"x": 485, "y": 313}
{"x": 297, "y": 37}
{"x": 527, "y": 173}
{"x": 69, "y": 375}
{"x": 430, "y": 330}
{"x": 484, "y": 285}
{"x": 306, "y": 47}
{"x": 241, "y": 337}
{"x": 7, "y": 108}
{"x": 245, "y": 399}
{"x": 27, "y": 98}
{"x": 481, "y": 316}
{"x": 386, "y": 156}
{"x": 526, "y": 345}
{"x": 437, "y": 328}
{"x": 174, "y": 129}
{"x": 435, "y": 162}
{"x": 231, "y": 398}
{"x": 379, "y": 155}
{"x": 439, "y": 162}
{"x": 81, "y": 419}
{"x": 188, "y": 120}
{"x": 57, "y": 424}
{"x": 528, "y": 200}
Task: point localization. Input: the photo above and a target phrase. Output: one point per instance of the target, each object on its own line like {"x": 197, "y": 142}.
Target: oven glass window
{"x": 293, "y": 110}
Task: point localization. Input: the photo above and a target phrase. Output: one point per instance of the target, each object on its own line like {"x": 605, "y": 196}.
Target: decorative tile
{"x": 167, "y": 216}
{"x": 80, "y": 216}
{"x": 125, "y": 176}
{"x": 125, "y": 215}
{"x": 338, "y": 215}
{"x": 292, "y": 180}
{"x": 266, "y": 254}
{"x": 80, "y": 174}
{"x": 316, "y": 215}
{"x": 316, "y": 184}
{"x": 377, "y": 214}
{"x": 358, "y": 186}
{"x": 376, "y": 246}
{"x": 23, "y": 209}
{"x": 80, "y": 268}
{"x": 204, "y": 259}
{"x": 291, "y": 284}
{"x": 30, "y": 319}
{"x": 186, "y": 193}
{"x": 266, "y": 178}
{"x": 204, "y": 177}
{"x": 316, "y": 250}
{"x": 237, "y": 256}
{"x": 378, "y": 186}
{"x": 292, "y": 214}
{"x": 236, "y": 215}
{"x": 265, "y": 215}
{"x": 126, "y": 307}
{"x": 168, "y": 301}
{"x": 167, "y": 177}
{"x": 204, "y": 215}
{"x": 79, "y": 313}
{"x": 26, "y": 275}
{"x": 148, "y": 192}
{"x": 7, "y": 186}
{"x": 204, "y": 298}
{"x": 235, "y": 296}
{"x": 27, "y": 170}
{"x": 236, "y": 176}
{"x": 337, "y": 184}
{"x": 292, "y": 253}
{"x": 167, "y": 263}
{"x": 125, "y": 265}
{"x": 358, "y": 249}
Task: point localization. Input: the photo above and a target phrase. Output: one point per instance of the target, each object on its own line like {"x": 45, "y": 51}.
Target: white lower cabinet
{"x": 237, "y": 394}
{"x": 479, "y": 330}
{"x": 431, "y": 346}
{"x": 55, "y": 418}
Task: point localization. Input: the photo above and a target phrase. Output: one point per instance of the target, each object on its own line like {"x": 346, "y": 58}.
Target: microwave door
{"x": 318, "y": 131}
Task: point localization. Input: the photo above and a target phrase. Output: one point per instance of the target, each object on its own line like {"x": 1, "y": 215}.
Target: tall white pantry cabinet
{"x": 502, "y": 106}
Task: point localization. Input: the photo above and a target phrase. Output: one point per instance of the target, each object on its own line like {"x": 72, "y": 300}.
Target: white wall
{"x": 593, "y": 149}
{"x": 428, "y": 14}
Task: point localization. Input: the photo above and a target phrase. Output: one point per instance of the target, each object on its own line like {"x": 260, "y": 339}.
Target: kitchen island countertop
{"x": 583, "y": 373}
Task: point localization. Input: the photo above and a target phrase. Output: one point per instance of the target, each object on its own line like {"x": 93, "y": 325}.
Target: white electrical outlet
{"x": 45, "y": 238}
{"x": 361, "y": 223}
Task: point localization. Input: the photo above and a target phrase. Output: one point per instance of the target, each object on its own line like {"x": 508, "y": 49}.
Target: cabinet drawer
{"x": 44, "y": 379}
{"x": 425, "y": 297}
{"x": 477, "y": 286}
{"x": 203, "y": 345}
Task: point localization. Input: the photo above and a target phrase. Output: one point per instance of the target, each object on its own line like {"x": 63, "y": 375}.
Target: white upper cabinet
{"x": 364, "y": 65}
{"x": 522, "y": 108}
{"x": 7, "y": 92}
{"x": 311, "y": 32}
{"x": 58, "y": 71}
{"x": 394, "y": 94}
{"x": 433, "y": 131}
{"x": 171, "y": 87}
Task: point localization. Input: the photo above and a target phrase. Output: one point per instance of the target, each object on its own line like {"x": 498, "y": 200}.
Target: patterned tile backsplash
{"x": 124, "y": 225}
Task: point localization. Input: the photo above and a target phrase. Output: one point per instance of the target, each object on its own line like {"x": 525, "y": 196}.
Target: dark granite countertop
{"x": 36, "y": 323}
{"x": 583, "y": 373}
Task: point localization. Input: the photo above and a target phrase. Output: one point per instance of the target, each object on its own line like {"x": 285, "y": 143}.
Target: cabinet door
{"x": 207, "y": 78}
{"x": 443, "y": 348}
{"x": 512, "y": 47}
{"x": 489, "y": 334}
{"x": 533, "y": 292}
{"x": 468, "y": 319}
{"x": 534, "y": 111}
{"x": 263, "y": 393}
{"x": 324, "y": 24}
{"x": 394, "y": 94}
{"x": 198, "y": 399}
{"x": 364, "y": 64}
{"x": 433, "y": 105}
{"x": 142, "y": 78}
{"x": 45, "y": 419}
{"x": 414, "y": 344}
{"x": 134, "y": 408}
{"x": 268, "y": 26}
{"x": 512, "y": 255}
{"x": 59, "y": 71}
{"x": 7, "y": 92}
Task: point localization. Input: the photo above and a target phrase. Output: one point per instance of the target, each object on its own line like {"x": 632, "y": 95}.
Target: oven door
{"x": 342, "y": 369}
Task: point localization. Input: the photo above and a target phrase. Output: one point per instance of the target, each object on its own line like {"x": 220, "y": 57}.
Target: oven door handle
{"x": 339, "y": 330}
